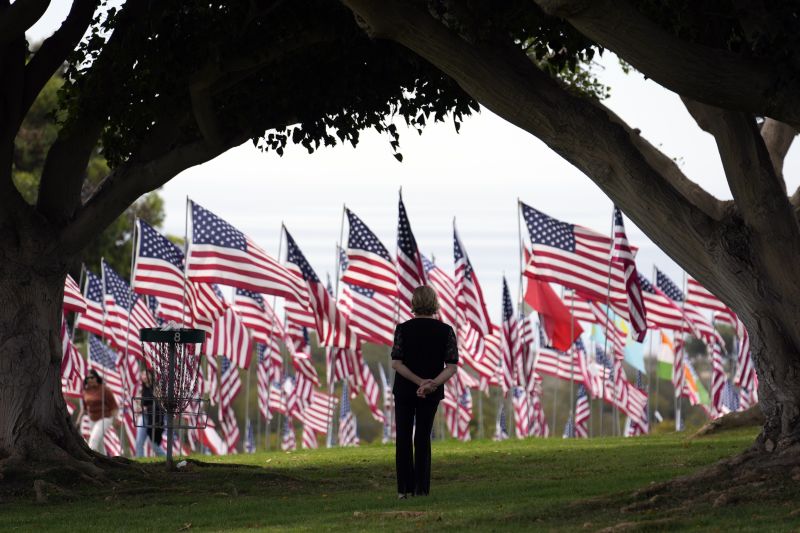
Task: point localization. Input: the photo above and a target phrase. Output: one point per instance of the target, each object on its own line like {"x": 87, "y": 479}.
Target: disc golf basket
{"x": 174, "y": 355}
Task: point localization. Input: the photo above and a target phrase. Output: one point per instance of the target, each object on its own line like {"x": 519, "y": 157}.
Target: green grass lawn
{"x": 532, "y": 484}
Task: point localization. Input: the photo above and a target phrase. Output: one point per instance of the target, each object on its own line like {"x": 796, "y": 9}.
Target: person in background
{"x": 424, "y": 357}
{"x": 152, "y": 425}
{"x": 100, "y": 405}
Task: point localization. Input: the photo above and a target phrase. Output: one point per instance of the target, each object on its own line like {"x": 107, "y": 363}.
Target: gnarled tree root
{"x": 753, "y": 417}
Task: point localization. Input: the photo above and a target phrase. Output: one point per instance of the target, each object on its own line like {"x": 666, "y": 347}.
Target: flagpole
{"x": 131, "y": 295}
{"x": 649, "y": 383}
{"x": 329, "y": 352}
{"x": 185, "y": 259}
{"x": 605, "y": 343}
{"x": 685, "y": 353}
{"x": 520, "y": 308}
{"x": 589, "y": 393}
{"x": 572, "y": 366}
{"x": 268, "y": 352}
{"x": 103, "y": 384}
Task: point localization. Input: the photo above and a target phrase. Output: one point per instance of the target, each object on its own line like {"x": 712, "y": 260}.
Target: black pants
{"x": 414, "y": 466}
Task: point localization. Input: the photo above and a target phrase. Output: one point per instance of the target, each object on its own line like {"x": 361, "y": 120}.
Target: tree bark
{"x": 35, "y": 428}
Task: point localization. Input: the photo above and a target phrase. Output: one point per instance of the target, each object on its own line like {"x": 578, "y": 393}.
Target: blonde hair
{"x": 424, "y": 301}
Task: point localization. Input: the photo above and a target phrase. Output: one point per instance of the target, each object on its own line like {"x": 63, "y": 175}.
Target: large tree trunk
{"x": 777, "y": 363}
{"x": 35, "y": 428}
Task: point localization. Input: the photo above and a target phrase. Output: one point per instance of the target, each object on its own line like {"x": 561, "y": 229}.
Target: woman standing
{"x": 152, "y": 417}
{"x": 101, "y": 407}
{"x": 424, "y": 357}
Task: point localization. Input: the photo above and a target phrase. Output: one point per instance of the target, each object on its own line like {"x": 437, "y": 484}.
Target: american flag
{"x": 299, "y": 343}
{"x": 469, "y": 296}
{"x": 522, "y": 416}
{"x": 229, "y": 338}
{"x": 210, "y": 438}
{"x": 634, "y": 428}
{"x": 566, "y": 366}
{"x": 582, "y": 414}
{"x": 288, "y": 438}
{"x": 718, "y": 381}
{"x": 730, "y": 398}
{"x": 207, "y": 304}
{"x": 93, "y": 319}
{"x": 348, "y": 429}
{"x": 332, "y": 326}
{"x": 579, "y": 307}
{"x": 620, "y": 392}
{"x": 445, "y": 289}
{"x": 229, "y": 385}
{"x": 606, "y": 320}
{"x": 369, "y": 264}
{"x": 389, "y": 425}
{"x": 158, "y": 271}
{"x": 268, "y": 368}
{"x": 745, "y": 377}
{"x": 126, "y": 313}
{"x": 569, "y": 429}
{"x": 540, "y": 428}
{"x": 699, "y": 296}
{"x": 371, "y": 313}
{"x": 662, "y": 312}
{"x": 250, "y": 438}
{"x": 678, "y": 373}
{"x": 575, "y": 257}
{"x": 256, "y": 314}
{"x": 230, "y": 428}
{"x": 410, "y": 272}
{"x": 511, "y": 344}
{"x": 500, "y": 426}
{"x": 309, "y": 438}
{"x": 318, "y": 412}
{"x": 73, "y": 299}
{"x": 219, "y": 253}
{"x": 104, "y": 360}
{"x": 701, "y": 325}
{"x": 624, "y": 255}
{"x": 73, "y": 367}
{"x": 457, "y": 405}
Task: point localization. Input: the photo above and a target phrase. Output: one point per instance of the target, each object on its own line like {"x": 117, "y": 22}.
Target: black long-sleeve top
{"x": 425, "y": 345}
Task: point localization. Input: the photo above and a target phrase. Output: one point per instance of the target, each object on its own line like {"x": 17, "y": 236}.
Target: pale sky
{"x": 475, "y": 176}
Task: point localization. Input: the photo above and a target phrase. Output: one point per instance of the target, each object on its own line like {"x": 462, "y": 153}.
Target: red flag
{"x": 554, "y": 314}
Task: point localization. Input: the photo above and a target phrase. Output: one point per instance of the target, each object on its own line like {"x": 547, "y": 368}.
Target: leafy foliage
{"x": 285, "y": 72}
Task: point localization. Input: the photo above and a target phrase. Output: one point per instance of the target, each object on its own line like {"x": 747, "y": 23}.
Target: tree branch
{"x": 54, "y": 50}
{"x": 127, "y": 183}
{"x": 778, "y": 138}
{"x": 758, "y": 190}
{"x": 634, "y": 174}
{"x": 18, "y": 17}
{"x": 65, "y": 167}
{"x": 709, "y": 75}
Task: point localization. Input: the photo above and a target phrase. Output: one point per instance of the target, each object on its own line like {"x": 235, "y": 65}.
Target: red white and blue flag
{"x": 410, "y": 271}
{"x": 219, "y": 253}
{"x": 371, "y": 313}
{"x": 73, "y": 299}
{"x": 348, "y": 427}
{"x": 369, "y": 264}
{"x": 469, "y": 295}
{"x": 624, "y": 255}
{"x": 333, "y": 328}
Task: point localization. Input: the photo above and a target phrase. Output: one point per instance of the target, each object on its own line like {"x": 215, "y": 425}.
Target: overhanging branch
{"x": 675, "y": 213}
{"x": 127, "y": 183}
{"x": 714, "y": 76}
{"x": 55, "y": 49}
